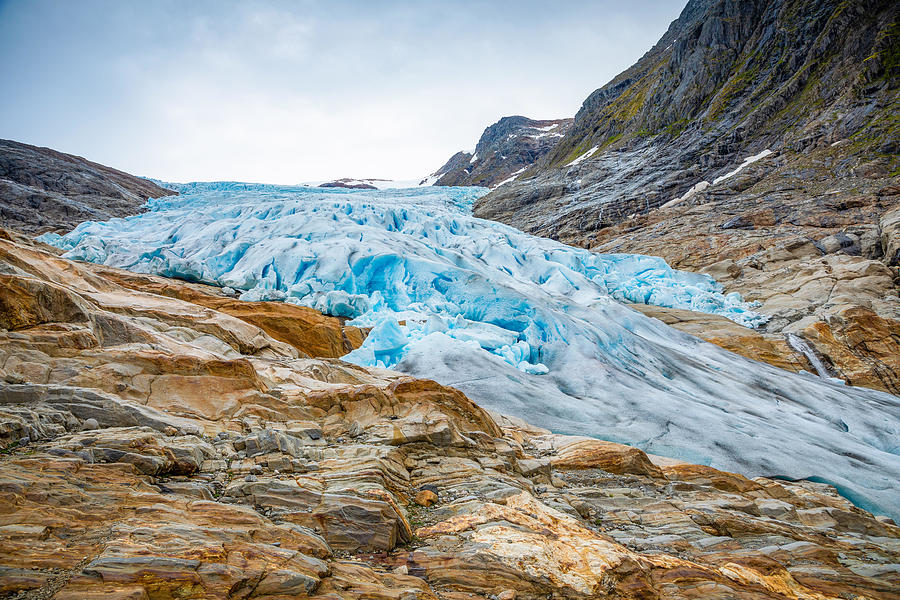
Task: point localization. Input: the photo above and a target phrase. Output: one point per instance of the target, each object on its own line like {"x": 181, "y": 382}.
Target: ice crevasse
{"x": 523, "y": 325}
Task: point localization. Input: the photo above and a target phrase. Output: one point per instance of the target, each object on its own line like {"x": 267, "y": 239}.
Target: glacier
{"x": 523, "y": 325}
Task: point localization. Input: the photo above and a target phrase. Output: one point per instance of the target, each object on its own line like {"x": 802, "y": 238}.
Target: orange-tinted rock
{"x": 862, "y": 346}
{"x": 426, "y": 498}
{"x": 598, "y": 454}
{"x": 306, "y": 329}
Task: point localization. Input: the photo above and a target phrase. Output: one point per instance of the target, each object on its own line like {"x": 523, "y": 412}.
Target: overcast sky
{"x": 285, "y": 92}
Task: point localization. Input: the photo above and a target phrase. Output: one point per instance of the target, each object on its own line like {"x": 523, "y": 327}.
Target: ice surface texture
{"x": 523, "y": 325}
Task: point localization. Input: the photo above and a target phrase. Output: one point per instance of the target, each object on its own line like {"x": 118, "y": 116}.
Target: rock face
{"x": 756, "y": 142}
{"x": 45, "y": 190}
{"x": 814, "y": 258}
{"x": 506, "y": 150}
{"x": 727, "y": 81}
{"x": 156, "y": 445}
{"x": 349, "y": 183}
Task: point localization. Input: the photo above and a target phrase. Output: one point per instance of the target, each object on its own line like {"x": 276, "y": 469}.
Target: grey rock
{"x": 42, "y": 189}
{"x": 107, "y": 410}
{"x": 509, "y": 146}
{"x": 705, "y": 97}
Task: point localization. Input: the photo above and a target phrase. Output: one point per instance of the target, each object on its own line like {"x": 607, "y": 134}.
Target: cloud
{"x": 293, "y": 91}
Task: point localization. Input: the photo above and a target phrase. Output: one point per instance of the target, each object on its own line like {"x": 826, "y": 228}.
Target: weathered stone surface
{"x": 308, "y": 330}
{"x": 217, "y": 463}
{"x": 426, "y": 498}
{"x": 889, "y": 225}
{"x": 42, "y": 189}
{"x": 505, "y": 150}
{"x": 597, "y": 454}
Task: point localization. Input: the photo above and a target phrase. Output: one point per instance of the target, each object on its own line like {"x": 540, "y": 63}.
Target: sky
{"x": 289, "y": 92}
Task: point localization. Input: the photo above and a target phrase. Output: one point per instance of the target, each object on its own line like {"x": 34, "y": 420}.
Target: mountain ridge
{"x": 42, "y": 189}
{"x": 726, "y": 81}
{"x": 505, "y": 149}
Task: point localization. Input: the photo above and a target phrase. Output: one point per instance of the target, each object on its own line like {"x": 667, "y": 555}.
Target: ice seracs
{"x": 523, "y": 325}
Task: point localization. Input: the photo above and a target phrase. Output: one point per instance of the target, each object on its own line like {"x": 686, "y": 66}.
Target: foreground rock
{"x": 155, "y": 446}
{"x": 45, "y": 190}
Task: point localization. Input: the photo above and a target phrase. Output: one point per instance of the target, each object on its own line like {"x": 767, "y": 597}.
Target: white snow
{"x": 584, "y": 156}
{"x": 511, "y": 177}
{"x": 547, "y": 128}
{"x": 431, "y": 179}
{"x": 474, "y": 158}
{"x": 702, "y": 185}
{"x": 696, "y": 189}
{"x": 543, "y": 135}
{"x": 747, "y": 162}
{"x": 523, "y": 325}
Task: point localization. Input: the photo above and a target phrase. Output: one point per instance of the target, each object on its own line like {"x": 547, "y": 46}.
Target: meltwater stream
{"x": 523, "y": 325}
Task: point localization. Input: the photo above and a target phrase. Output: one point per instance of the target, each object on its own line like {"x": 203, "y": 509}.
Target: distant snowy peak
{"x": 507, "y": 148}
{"x": 366, "y": 184}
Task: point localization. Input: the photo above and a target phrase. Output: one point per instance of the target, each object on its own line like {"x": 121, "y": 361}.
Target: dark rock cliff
{"x": 45, "y": 190}
{"x": 726, "y": 81}
{"x": 506, "y": 148}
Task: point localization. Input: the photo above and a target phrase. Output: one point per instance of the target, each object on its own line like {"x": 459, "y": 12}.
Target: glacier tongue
{"x": 521, "y": 324}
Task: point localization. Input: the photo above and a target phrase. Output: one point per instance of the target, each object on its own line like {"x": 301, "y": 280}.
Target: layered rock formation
{"x": 161, "y": 442}
{"x": 505, "y": 150}
{"x": 45, "y": 190}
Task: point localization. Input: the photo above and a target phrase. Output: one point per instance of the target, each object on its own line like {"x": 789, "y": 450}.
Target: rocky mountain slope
{"x": 757, "y": 142}
{"x": 45, "y": 190}
{"x": 726, "y": 81}
{"x": 161, "y": 440}
{"x": 505, "y": 150}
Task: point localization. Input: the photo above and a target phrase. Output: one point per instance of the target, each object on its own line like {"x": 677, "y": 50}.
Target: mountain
{"x": 808, "y": 80}
{"x": 45, "y": 190}
{"x": 505, "y": 150}
{"x": 756, "y": 142}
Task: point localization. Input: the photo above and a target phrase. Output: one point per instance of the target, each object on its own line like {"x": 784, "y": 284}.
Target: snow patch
{"x": 511, "y": 178}
{"x": 747, "y": 162}
{"x": 696, "y": 189}
{"x": 584, "y": 156}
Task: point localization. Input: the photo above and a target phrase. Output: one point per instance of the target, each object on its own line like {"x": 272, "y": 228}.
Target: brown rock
{"x": 312, "y": 457}
{"x": 598, "y": 454}
{"x": 426, "y": 498}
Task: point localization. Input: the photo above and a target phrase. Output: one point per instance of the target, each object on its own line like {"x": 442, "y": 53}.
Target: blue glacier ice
{"x": 523, "y": 325}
